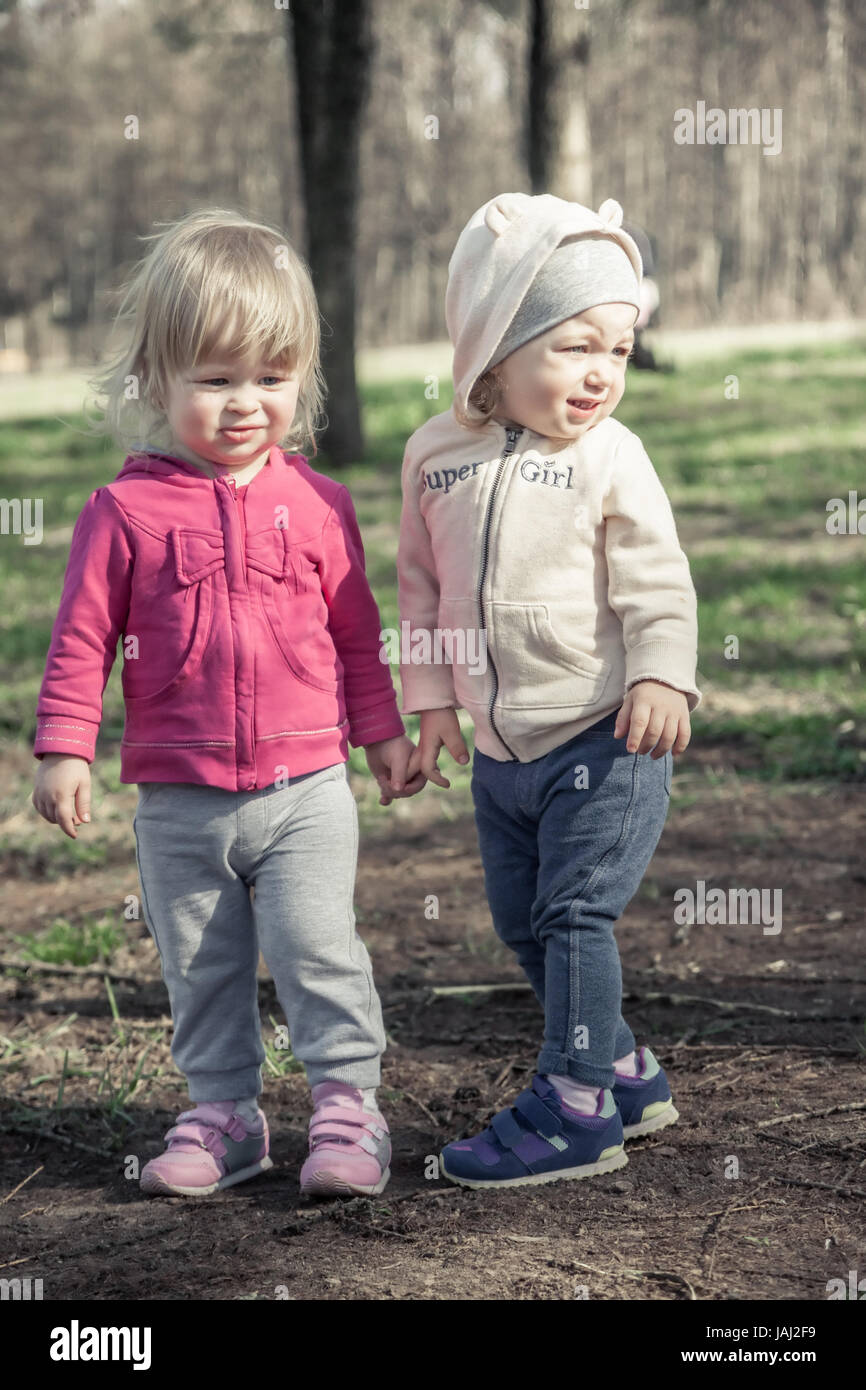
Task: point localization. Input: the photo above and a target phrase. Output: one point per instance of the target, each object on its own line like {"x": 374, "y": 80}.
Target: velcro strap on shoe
{"x": 333, "y": 1129}
{"x": 192, "y": 1134}
{"x": 347, "y": 1122}
{"x": 536, "y": 1112}
{"x": 506, "y": 1129}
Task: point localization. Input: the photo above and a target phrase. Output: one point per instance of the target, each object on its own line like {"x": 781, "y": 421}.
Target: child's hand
{"x": 62, "y": 791}
{"x": 440, "y": 728}
{"x": 655, "y": 716}
{"x": 389, "y": 763}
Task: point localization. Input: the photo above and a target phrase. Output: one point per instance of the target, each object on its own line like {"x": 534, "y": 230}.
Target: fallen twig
{"x": 639, "y": 1274}
{"x": 23, "y": 1183}
{"x": 32, "y": 1133}
{"x": 422, "y": 1106}
{"x": 828, "y": 1186}
{"x": 726, "y": 1005}
{"x": 750, "y": 1206}
{"x": 813, "y": 1114}
{"x": 40, "y": 967}
{"x": 479, "y": 989}
{"x": 506, "y": 1071}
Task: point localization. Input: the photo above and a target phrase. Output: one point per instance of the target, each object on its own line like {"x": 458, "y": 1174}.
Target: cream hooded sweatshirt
{"x": 537, "y": 581}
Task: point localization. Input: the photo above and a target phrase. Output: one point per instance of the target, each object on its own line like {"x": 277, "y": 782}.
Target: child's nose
{"x": 600, "y": 370}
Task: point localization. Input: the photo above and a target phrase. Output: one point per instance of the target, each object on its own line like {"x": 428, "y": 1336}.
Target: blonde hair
{"x": 213, "y": 283}
{"x": 484, "y": 400}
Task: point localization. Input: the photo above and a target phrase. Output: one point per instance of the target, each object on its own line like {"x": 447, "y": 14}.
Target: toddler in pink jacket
{"x": 234, "y": 576}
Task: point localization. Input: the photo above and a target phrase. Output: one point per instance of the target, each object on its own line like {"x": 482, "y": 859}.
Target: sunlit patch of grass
{"x": 68, "y": 943}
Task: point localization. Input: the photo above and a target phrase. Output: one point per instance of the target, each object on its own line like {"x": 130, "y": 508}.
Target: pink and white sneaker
{"x": 349, "y": 1146}
{"x": 208, "y": 1148}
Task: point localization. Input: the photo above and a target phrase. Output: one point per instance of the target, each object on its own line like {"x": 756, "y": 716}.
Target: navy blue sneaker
{"x": 538, "y": 1139}
{"x": 644, "y": 1101}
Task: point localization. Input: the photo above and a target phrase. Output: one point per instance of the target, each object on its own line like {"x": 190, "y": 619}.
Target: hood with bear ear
{"x": 498, "y": 255}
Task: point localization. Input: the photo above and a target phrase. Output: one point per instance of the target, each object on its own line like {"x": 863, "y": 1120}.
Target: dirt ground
{"x": 762, "y": 1037}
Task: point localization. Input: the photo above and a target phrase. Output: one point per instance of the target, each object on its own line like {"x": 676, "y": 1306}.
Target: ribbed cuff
{"x": 56, "y": 733}
{"x": 665, "y": 662}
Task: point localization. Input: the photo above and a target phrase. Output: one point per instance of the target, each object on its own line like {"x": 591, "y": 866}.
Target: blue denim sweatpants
{"x": 199, "y": 850}
{"x": 565, "y": 841}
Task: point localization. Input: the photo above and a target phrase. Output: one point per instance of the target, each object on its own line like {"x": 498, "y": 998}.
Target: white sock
{"x": 368, "y": 1100}
{"x": 627, "y": 1066}
{"x": 578, "y": 1097}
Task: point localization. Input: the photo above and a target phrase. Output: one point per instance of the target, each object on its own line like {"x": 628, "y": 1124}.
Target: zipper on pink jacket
{"x": 511, "y": 438}
{"x": 248, "y": 751}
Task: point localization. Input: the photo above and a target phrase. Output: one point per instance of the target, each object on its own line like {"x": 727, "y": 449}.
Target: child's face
{"x": 231, "y": 410}
{"x": 549, "y": 383}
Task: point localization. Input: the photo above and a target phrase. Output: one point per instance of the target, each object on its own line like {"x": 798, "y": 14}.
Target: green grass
{"x": 748, "y": 479}
{"x": 64, "y": 943}
{"x": 280, "y": 1060}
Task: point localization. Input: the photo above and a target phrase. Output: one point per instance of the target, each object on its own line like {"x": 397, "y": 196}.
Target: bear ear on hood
{"x": 504, "y": 210}
{"x": 611, "y": 212}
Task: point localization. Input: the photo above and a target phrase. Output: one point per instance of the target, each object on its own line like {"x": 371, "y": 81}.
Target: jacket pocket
{"x": 295, "y": 609}
{"x": 172, "y": 616}
{"x": 536, "y": 668}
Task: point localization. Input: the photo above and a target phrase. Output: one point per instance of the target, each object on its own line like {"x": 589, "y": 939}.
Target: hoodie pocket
{"x": 172, "y": 616}
{"x": 535, "y": 667}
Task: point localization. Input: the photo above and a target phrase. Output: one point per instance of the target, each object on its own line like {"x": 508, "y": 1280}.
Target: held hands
{"x": 440, "y": 728}
{"x": 62, "y": 791}
{"x": 390, "y": 762}
{"x": 655, "y": 716}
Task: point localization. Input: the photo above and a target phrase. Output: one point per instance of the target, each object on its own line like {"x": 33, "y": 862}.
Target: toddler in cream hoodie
{"x": 543, "y": 589}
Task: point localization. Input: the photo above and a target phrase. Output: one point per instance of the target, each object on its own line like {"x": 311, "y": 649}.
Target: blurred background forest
{"x": 740, "y": 235}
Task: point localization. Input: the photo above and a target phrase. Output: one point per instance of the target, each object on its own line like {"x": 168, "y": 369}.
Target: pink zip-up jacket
{"x": 251, "y": 646}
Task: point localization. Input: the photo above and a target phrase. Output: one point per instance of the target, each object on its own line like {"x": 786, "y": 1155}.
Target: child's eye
{"x": 223, "y": 381}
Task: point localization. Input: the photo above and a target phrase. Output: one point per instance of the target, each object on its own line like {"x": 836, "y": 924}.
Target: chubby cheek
{"x": 200, "y": 413}
{"x": 559, "y": 383}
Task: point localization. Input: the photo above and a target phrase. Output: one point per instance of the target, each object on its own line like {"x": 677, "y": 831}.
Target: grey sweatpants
{"x": 199, "y": 849}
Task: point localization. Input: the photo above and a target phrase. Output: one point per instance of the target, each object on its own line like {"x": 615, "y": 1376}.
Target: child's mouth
{"x": 583, "y": 407}
{"x": 241, "y": 433}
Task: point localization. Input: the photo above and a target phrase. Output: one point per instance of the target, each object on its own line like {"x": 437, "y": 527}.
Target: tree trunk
{"x": 558, "y": 144}
{"x": 332, "y": 45}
